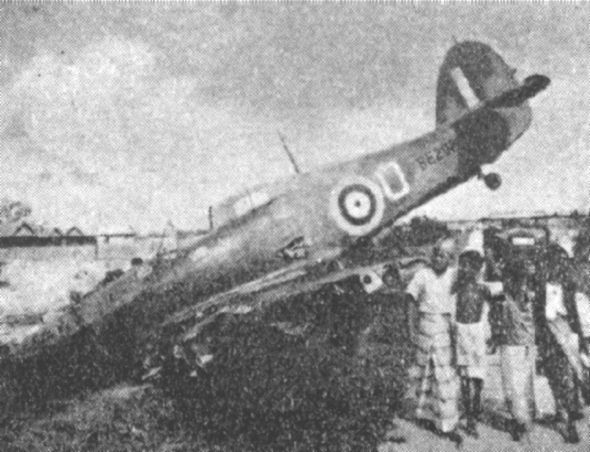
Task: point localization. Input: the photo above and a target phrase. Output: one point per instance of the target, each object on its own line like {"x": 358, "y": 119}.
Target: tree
{"x": 424, "y": 230}
{"x": 12, "y": 211}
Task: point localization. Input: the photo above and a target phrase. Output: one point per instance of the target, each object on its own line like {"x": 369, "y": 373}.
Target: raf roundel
{"x": 357, "y": 205}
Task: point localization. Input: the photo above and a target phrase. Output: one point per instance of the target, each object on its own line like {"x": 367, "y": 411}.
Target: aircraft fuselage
{"x": 322, "y": 212}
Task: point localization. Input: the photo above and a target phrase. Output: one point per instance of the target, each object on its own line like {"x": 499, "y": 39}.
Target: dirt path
{"x": 492, "y": 438}
{"x": 542, "y": 439}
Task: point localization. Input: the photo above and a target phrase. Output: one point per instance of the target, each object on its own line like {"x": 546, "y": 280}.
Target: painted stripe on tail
{"x": 464, "y": 87}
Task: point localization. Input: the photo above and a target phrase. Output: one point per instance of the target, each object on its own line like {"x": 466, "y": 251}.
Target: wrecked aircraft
{"x": 283, "y": 238}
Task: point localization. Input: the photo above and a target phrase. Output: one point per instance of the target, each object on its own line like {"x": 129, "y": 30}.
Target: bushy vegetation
{"x": 265, "y": 389}
{"x": 419, "y": 232}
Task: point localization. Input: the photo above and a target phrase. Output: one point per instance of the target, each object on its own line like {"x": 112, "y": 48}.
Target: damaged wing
{"x": 286, "y": 284}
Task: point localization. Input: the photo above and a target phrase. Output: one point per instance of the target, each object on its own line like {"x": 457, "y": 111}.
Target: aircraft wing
{"x": 287, "y": 284}
{"x": 227, "y": 301}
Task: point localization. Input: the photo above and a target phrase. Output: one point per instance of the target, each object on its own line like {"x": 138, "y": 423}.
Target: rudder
{"x": 471, "y": 72}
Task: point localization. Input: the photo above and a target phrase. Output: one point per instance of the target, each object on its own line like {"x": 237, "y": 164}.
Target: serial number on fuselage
{"x": 434, "y": 156}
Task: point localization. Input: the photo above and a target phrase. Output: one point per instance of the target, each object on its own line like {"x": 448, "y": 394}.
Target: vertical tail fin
{"x": 471, "y": 72}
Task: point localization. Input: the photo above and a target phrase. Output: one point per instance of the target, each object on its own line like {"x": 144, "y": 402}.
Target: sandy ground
{"x": 492, "y": 438}
{"x": 542, "y": 439}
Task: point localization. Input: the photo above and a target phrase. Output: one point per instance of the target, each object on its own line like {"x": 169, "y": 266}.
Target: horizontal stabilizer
{"x": 530, "y": 87}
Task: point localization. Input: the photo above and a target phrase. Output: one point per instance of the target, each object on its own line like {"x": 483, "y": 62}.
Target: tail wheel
{"x": 492, "y": 181}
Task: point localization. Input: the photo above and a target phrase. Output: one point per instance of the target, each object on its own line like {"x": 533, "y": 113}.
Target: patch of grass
{"x": 120, "y": 419}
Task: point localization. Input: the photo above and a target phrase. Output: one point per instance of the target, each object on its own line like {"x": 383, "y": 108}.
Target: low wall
{"x": 46, "y": 253}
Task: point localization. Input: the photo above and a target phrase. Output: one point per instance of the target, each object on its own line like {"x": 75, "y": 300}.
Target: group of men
{"x": 541, "y": 311}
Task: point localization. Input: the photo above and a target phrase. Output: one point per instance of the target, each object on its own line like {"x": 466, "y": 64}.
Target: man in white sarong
{"x": 434, "y": 377}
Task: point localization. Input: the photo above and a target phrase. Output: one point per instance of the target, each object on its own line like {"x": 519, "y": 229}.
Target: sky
{"x": 129, "y": 115}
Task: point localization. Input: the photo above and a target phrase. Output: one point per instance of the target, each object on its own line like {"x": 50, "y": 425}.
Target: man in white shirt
{"x": 434, "y": 375}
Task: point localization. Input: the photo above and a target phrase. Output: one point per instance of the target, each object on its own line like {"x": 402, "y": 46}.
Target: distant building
{"x": 27, "y": 241}
{"x": 74, "y": 231}
{"x": 24, "y": 230}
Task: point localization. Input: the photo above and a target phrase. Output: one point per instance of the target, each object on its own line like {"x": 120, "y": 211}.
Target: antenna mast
{"x": 289, "y": 154}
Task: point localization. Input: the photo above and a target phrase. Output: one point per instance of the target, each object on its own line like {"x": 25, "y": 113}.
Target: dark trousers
{"x": 586, "y": 383}
{"x": 562, "y": 379}
{"x": 471, "y": 398}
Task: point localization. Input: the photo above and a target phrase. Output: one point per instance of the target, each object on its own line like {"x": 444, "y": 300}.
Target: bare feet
{"x": 453, "y": 436}
{"x": 471, "y": 428}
